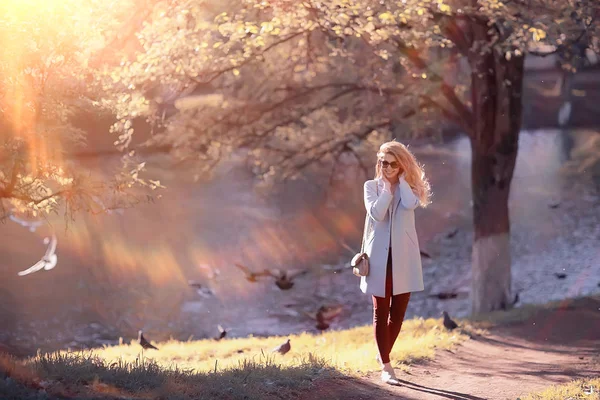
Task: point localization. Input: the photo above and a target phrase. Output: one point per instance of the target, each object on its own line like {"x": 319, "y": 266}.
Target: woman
{"x": 391, "y": 243}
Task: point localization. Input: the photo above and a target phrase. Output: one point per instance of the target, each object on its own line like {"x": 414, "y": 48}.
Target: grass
{"x": 588, "y": 389}
{"x": 241, "y": 368}
{"x": 350, "y": 351}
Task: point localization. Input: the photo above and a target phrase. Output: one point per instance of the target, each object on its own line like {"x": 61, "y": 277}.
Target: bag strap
{"x": 367, "y": 223}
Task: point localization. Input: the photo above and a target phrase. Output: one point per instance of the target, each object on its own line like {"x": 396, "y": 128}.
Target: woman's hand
{"x": 387, "y": 185}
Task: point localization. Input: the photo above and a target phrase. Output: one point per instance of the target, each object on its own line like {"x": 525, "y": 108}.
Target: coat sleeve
{"x": 376, "y": 205}
{"x": 408, "y": 199}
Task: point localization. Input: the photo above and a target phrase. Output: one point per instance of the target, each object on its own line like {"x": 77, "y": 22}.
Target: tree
{"x": 298, "y": 83}
{"x": 44, "y": 83}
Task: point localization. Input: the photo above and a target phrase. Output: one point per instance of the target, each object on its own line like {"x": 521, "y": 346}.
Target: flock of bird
{"x": 146, "y": 345}
{"x": 286, "y": 346}
{"x": 283, "y": 279}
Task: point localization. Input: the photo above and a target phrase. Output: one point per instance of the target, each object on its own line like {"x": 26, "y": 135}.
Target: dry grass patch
{"x": 242, "y": 368}
{"x": 350, "y": 351}
{"x": 581, "y": 389}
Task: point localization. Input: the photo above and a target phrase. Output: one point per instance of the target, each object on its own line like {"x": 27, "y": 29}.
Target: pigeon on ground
{"x": 283, "y": 348}
{"x": 252, "y": 276}
{"x": 560, "y": 275}
{"x": 222, "y": 333}
{"x": 448, "y": 322}
{"x": 144, "y": 343}
{"x": 47, "y": 262}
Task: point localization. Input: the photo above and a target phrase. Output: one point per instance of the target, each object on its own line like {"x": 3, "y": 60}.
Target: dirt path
{"x": 552, "y": 347}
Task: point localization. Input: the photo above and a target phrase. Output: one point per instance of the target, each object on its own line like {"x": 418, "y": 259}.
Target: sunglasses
{"x": 385, "y": 164}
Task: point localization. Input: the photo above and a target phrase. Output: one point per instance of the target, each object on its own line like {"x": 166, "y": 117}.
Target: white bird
{"x": 31, "y": 225}
{"x": 48, "y": 261}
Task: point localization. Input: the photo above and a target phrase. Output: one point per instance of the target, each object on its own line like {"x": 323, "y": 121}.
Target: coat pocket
{"x": 414, "y": 242}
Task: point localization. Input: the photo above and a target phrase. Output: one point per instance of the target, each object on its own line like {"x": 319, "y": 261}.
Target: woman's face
{"x": 390, "y": 167}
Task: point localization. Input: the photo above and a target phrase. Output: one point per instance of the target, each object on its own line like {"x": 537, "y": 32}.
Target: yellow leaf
{"x": 386, "y": 16}
{"x": 236, "y": 72}
{"x": 267, "y": 26}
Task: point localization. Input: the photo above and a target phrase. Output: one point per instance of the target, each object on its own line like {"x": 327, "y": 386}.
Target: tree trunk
{"x": 496, "y": 97}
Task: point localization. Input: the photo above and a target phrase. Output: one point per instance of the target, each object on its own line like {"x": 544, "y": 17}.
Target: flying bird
{"x": 425, "y": 254}
{"x": 47, "y": 262}
{"x": 31, "y": 225}
{"x": 283, "y": 348}
{"x": 201, "y": 289}
{"x": 444, "y": 295}
{"x": 448, "y": 322}
{"x": 222, "y": 332}
{"x": 452, "y": 233}
{"x": 144, "y": 343}
{"x": 251, "y": 276}
{"x": 555, "y": 204}
{"x": 285, "y": 279}
{"x": 324, "y": 316}
{"x": 321, "y": 323}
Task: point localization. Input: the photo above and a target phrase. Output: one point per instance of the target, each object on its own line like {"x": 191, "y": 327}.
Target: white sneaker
{"x": 389, "y": 378}
{"x": 388, "y": 375}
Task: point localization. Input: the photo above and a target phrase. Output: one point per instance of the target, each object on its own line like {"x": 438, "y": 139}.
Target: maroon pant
{"x": 388, "y": 315}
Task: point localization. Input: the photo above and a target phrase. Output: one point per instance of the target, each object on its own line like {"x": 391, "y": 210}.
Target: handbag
{"x": 360, "y": 262}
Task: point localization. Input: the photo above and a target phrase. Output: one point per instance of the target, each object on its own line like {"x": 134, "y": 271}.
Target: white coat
{"x": 393, "y": 222}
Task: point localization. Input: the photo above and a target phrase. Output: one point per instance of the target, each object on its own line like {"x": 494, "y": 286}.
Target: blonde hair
{"x": 415, "y": 176}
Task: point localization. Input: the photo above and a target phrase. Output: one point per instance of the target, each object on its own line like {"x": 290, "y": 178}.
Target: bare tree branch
{"x": 463, "y": 112}
{"x": 334, "y": 143}
{"x": 216, "y": 74}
